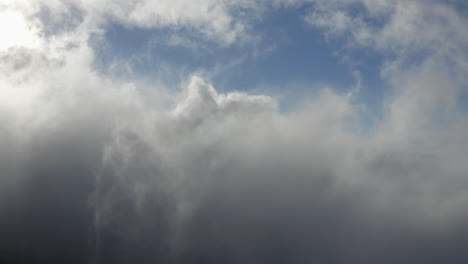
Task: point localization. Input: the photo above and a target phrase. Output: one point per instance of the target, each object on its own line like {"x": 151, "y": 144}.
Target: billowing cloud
{"x": 96, "y": 170}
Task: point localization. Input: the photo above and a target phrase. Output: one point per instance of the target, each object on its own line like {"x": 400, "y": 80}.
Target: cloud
{"x": 96, "y": 170}
{"x": 215, "y": 20}
{"x": 404, "y": 28}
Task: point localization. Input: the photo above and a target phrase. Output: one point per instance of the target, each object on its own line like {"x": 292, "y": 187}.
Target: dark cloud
{"x": 226, "y": 182}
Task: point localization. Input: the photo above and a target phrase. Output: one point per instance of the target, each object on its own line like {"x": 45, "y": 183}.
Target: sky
{"x": 217, "y": 131}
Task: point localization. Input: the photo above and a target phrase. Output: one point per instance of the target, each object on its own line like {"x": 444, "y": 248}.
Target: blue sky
{"x": 289, "y": 59}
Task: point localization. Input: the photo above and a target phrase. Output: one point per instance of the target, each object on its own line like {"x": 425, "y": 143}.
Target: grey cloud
{"x": 220, "y": 178}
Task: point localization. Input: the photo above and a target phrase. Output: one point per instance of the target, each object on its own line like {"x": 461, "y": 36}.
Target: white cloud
{"x": 400, "y": 27}
{"x": 424, "y": 46}
{"x": 215, "y": 20}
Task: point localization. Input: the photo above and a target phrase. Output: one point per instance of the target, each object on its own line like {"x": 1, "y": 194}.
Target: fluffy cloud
{"x": 94, "y": 170}
{"x": 423, "y": 46}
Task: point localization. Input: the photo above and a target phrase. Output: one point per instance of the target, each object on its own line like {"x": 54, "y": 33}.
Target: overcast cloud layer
{"x": 98, "y": 170}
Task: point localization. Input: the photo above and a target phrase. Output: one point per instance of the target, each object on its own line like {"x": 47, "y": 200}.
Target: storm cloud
{"x": 99, "y": 170}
